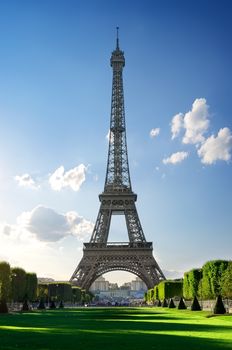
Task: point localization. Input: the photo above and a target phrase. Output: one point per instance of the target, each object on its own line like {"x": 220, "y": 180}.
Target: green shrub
{"x": 219, "y": 306}
{"x": 164, "y": 303}
{"x": 181, "y": 305}
{"x": 195, "y": 305}
{"x": 171, "y": 304}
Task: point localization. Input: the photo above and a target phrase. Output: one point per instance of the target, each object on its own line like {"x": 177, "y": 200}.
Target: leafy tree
{"x": 18, "y": 284}
{"x": 212, "y": 273}
{"x": 191, "y": 283}
{"x": 150, "y": 295}
{"x": 156, "y": 293}
{"x": 31, "y": 286}
{"x": 76, "y": 292}
{"x": 5, "y": 283}
{"x": 186, "y": 290}
{"x": 41, "y": 305}
{"x": 42, "y": 291}
{"x": 145, "y": 297}
{"x": 226, "y": 281}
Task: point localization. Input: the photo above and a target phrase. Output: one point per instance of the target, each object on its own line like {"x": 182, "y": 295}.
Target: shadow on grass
{"x": 109, "y": 328}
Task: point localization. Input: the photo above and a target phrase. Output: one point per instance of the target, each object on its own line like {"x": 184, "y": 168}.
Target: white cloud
{"x": 175, "y": 158}
{"x": 216, "y": 147}
{"x": 154, "y": 132}
{"x": 34, "y": 242}
{"x": 72, "y": 178}
{"x": 48, "y": 225}
{"x": 177, "y": 124}
{"x": 26, "y": 180}
{"x": 195, "y": 123}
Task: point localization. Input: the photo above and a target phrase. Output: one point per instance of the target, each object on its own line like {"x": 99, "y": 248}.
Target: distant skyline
{"x": 55, "y": 95}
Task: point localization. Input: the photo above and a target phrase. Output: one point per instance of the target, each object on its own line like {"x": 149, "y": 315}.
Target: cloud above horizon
{"x": 72, "y": 178}
{"x": 194, "y": 123}
{"x": 175, "y": 158}
{"x": 216, "y": 147}
{"x": 154, "y": 132}
{"x": 26, "y": 180}
{"x": 46, "y": 225}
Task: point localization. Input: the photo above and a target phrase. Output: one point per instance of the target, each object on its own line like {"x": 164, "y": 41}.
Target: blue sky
{"x": 55, "y": 94}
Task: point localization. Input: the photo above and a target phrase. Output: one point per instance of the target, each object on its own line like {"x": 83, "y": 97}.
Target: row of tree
{"x": 63, "y": 291}
{"x": 212, "y": 280}
{"x": 16, "y": 283}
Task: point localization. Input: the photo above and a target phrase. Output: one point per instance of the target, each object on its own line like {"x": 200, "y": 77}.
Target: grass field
{"x": 115, "y": 328}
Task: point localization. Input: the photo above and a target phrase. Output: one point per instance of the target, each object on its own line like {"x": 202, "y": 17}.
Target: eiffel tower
{"x": 99, "y": 255}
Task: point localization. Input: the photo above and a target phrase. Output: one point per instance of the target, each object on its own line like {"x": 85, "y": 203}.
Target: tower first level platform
{"x": 133, "y": 257}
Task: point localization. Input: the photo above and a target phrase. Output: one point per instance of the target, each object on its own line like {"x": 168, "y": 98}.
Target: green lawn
{"x": 115, "y": 328}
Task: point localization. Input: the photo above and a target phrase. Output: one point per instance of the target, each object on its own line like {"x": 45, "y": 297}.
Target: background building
{"x": 107, "y": 291}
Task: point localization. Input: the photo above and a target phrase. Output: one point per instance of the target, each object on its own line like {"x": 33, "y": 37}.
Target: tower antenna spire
{"x": 117, "y": 41}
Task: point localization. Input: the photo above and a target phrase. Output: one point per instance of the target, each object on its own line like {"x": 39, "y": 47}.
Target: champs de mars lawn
{"x": 115, "y": 328}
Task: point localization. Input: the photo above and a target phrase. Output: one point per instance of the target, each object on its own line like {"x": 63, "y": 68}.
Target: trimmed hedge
{"x": 169, "y": 289}
{"x": 191, "y": 283}
{"x": 212, "y": 273}
{"x": 60, "y": 291}
{"x": 226, "y": 281}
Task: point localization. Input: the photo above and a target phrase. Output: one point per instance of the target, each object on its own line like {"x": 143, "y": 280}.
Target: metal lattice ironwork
{"x": 100, "y": 256}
